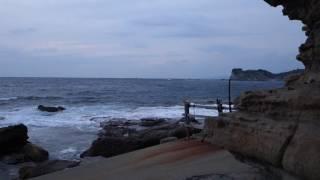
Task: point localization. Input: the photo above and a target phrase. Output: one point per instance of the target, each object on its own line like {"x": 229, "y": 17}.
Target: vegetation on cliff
{"x": 261, "y": 75}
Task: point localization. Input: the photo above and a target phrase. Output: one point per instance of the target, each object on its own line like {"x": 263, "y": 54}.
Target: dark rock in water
{"x": 35, "y": 153}
{"x": 46, "y": 168}
{"x": 15, "y": 149}
{"x": 148, "y": 122}
{"x": 50, "y": 109}
{"x": 13, "y": 139}
{"x": 2, "y": 118}
{"x": 118, "y": 139}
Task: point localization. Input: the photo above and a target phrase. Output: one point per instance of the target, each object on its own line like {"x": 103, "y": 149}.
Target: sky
{"x": 144, "y": 38}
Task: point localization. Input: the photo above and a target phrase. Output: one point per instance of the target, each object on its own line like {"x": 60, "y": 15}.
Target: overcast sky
{"x": 144, "y": 38}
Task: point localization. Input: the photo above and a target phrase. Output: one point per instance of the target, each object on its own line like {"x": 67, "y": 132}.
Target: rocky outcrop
{"x": 35, "y": 153}
{"x": 16, "y": 150}
{"x": 306, "y": 11}
{"x": 281, "y": 126}
{"x": 14, "y": 147}
{"x": 46, "y": 168}
{"x": 262, "y": 75}
{"x": 50, "y": 109}
{"x": 13, "y": 139}
{"x": 121, "y": 137}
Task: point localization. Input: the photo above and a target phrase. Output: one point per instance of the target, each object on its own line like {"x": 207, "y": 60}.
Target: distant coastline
{"x": 239, "y": 74}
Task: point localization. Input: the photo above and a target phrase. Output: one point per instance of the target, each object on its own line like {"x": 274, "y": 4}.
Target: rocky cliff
{"x": 262, "y": 75}
{"x": 281, "y": 126}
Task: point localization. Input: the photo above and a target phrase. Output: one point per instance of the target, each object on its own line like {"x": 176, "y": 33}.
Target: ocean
{"x": 89, "y": 101}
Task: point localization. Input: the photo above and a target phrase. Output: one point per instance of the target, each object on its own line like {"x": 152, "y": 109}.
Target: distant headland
{"x": 239, "y": 74}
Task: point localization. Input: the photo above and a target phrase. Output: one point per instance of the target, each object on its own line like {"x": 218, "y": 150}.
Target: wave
{"x": 30, "y": 98}
{"x": 40, "y": 97}
{"x": 89, "y": 117}
{"x": 8, "y": 98}
{"x": 81, "y": 124}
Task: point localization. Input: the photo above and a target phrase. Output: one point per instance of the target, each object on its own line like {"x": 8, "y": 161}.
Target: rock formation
{"x": 15, "y": 148}
{"x": 46, "y": 168}
{"x": 120, "y": 137}
{"x": 282, "y": 126}
{"x": 261, "y": 75}
{"x": 13, "y": 139}
{"x": 50, "y": 109}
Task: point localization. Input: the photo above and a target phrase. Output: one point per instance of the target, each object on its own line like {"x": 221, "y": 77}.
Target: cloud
{"x": 151, "y": 38}
{"x": 22, "y": 31}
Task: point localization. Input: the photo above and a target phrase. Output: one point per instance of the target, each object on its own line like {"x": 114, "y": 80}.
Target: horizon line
{"x": 162, "y": 78}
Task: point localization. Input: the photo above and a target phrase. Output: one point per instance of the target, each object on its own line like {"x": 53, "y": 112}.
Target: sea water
{"x": 89, "y": 101}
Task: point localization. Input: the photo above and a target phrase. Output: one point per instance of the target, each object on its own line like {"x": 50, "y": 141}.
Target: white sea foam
{"x": 79, "y": 117}
{"x": 8, "y": 98}
{"x": 50, "y": 129}
{"x": 68, "y": 150}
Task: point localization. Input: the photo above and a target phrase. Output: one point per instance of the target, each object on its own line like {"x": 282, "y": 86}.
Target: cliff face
{"x": 308, "y": 12}
{"x": 261, "y": 75}
{"x": 281, "y": 126}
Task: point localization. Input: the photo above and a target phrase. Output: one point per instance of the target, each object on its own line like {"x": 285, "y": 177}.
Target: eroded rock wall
{"x": 308, "y": 12}
{"x": 282, "y": 126}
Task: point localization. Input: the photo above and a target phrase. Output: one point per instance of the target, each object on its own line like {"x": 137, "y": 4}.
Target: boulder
{"x": 46, "y": 168}
{"x": 15, "y": 149}
{"x": 13, "y": 139}
{"x": 50, "y": 109}
{"x": 35, "y": 153}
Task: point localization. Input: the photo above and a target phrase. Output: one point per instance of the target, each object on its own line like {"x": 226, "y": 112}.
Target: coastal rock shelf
{"x": 282, "y": 126}
{"x": 121, "y": 136}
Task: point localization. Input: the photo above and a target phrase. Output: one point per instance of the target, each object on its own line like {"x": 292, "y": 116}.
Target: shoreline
{"x": 175, "y": 160}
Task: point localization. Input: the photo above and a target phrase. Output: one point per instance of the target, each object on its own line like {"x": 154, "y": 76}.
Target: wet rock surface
{"x": 50, "y": 109}
{"x": 118, "y": 137}
{"x": 35, "y": 153}
{"x": 281, "y": 127}
{"x": 15, "y": 147}
{"x": 149, "y": 122}
{"x": 13, "y": 139}
{"x": 16, "y": 151}
{"x": 46, "y": 168}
